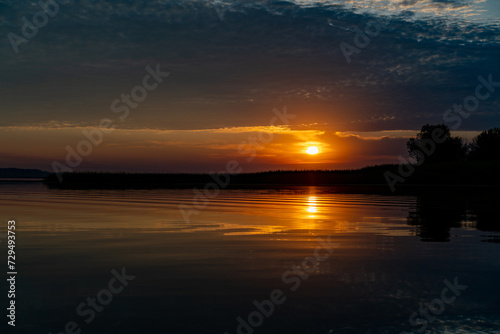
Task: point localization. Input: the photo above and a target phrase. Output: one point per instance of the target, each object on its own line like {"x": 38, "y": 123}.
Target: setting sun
{"x": 312, "y": 150}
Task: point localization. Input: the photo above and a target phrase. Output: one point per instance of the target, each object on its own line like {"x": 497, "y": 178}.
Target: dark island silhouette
{"x": 437, "y": 159}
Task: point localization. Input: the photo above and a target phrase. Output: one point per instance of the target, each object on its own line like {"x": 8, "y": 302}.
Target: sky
{"x": 234, "y": 69}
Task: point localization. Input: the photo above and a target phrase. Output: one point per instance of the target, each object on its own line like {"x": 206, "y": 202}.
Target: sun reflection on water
{"x": 311, "y": 206}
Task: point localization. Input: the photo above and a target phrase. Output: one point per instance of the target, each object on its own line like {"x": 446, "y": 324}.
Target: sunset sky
{"x": 230, "y": 64}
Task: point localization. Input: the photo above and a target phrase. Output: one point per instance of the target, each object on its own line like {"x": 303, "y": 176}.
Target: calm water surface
{"x": 392, "y": 255}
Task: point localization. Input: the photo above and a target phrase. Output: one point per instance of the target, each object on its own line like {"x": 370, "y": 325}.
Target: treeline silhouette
{"x": 442, "y": 159}
{"x": 438, "y": 159}
{"x": 434, "y": 144}
{"x": 278, "y": 178}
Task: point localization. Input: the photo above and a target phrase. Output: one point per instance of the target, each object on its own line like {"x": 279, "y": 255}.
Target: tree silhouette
{"x": 434, "y": 143}
{"x": 486, "y": 146}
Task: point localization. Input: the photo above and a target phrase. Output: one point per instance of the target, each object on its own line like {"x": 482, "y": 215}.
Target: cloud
{"x": 457, "y": 10}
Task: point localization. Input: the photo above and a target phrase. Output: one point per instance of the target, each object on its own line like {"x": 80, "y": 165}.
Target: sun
{"x": 312, "y": 150}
